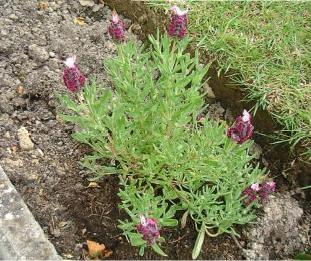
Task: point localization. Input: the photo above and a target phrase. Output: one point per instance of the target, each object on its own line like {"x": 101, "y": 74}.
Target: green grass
{"x": 267, "y": 47}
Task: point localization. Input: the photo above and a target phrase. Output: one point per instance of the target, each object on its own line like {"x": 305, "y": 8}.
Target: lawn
{"x": 265, "y": 46}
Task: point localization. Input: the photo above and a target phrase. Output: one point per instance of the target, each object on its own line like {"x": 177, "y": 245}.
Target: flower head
{"x": 73, "y": 78}
{"x": 259, "y": 192}
{"x": 116, "y": 28}
{"x": 178, "y": 22}
{"x": 242, "y": 130}
{"x": 255, "y": 187}
{"x": 251, "y": 195}
{"x": 246, "y": 116}
{"x": 178, "y": 11}
{"x": 267, "y": 188}
{"x": 149, "y": 229}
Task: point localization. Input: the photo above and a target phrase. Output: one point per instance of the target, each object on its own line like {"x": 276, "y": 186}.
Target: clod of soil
{"x": 280, "y": 232}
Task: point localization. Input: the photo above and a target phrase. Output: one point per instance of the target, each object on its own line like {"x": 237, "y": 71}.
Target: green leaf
{"x": 302, "y": 256}
{"x": 142, "y": 250}
{"x": 199, "y": 242}
{"x": 158, "y": 250}
{"x": 169, "y": 222}
{"x": 136, "y": 239}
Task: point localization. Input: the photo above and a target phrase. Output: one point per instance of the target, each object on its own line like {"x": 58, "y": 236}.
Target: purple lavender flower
{"x": 242, "y": 130}
{"x": 178, "y": 23}
{"x": 266, "y": 189}
{"x": 149, "y": 229}
{"x": 73, "y": 78}
{"x": 258, "y": 192}
{"x": 116, "y": 28}
{"x": 250, "y": 194}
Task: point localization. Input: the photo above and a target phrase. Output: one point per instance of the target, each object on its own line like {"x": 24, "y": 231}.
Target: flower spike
{"x": 116, "y": 28}
{"x": 242, "y": 130}
{"x": 259, "y": 192}
{"x": 148, "y": 228}
{"x": 73, "y": 78}
{"x": 178, "y": 22}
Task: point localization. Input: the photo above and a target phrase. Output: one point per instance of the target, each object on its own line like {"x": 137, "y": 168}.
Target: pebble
{"x": 52, "y": 54}
{"x": 24, "y": 139}
{"x": 7, "y": 135}
{"x": 89, "y": 3}
{"x": 13, "y": 17}
{"x": 37, "y": 53}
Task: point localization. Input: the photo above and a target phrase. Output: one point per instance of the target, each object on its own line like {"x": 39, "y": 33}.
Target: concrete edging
{"x": 21, "y": 237}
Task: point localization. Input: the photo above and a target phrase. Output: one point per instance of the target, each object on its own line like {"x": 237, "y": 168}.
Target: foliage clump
{"x": 167, "y": 160}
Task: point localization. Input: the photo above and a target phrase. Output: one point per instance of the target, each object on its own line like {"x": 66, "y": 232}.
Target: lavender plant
{"x": 167, "y": 161}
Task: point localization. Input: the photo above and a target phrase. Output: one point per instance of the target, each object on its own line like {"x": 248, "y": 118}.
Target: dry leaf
{"x": 108, "y": 253}
{"x": 97, "y": 250}
{"x": 43, "y": 5}
{"x": 79, "y": 21}
{"x": 93, "y": 185}
{"x": 101, "y": 2}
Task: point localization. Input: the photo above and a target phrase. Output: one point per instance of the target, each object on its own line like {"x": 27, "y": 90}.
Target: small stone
{"x": 24, "y": 139}
{"x": 38, "y": 53}
{"x": 52, "y": 54}
{"x": 13, "y": 17}
{"x": 88, "y": 3}
{"x": 7, "y": 135}
{"x": 40, "y": 152}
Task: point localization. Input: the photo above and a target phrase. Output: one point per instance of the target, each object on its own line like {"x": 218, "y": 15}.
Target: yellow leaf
{"x": 93, "y": 185}
{"x": 79, "y": 21}
{"x": 97, "y": 250}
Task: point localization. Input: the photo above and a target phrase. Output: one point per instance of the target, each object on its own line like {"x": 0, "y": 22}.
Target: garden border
{"x": 21, "y": 237}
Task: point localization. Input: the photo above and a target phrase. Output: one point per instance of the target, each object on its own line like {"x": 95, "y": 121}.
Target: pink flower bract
{"x": 116, "y": 28}
{"x": 148, "y": 227}
{"x": 266, "y": 189}
{"x": 178, "y": 23}
{"x": 259, "y": 192}
{"x": 73, "y": 78}
{"x": 242, "y": 130}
